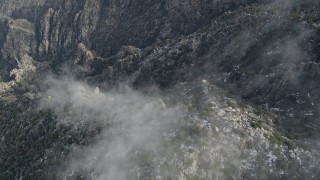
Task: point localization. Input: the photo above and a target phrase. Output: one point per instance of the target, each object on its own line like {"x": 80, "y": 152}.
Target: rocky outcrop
{"x": 125, "y": 62}
{"x": 8, "y": 7}
{"x": 106, "y": 26}
{"x": 61, "y": 29}
{"x": 18, "y": 39}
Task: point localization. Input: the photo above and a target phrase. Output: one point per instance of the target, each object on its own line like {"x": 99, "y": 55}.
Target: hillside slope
{"x": 230, "y": 69}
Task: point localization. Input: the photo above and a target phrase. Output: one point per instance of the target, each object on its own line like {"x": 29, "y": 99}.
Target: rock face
{"x": 107, "y": 26}
{"x": 18, "y": 39}
{"x": 262, "y": 52}
{"x": 10, "y": 7}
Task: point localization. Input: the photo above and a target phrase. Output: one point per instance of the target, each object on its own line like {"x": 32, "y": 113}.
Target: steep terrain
{"x": 219, "y": 89}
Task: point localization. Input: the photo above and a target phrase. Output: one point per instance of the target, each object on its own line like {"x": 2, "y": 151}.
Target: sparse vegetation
{"x": 243, "y": 73}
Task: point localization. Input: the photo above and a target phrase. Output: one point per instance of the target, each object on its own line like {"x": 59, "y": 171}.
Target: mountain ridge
{"x": 182, "y": 54}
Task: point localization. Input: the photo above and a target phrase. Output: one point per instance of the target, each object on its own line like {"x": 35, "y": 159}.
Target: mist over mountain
{"x": 180, "y": 89}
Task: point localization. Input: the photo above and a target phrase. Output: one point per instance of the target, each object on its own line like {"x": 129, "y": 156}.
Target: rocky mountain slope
{"x": 236, "y": 81}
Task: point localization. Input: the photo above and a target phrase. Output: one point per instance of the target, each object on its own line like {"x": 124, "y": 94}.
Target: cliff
{"x": 262, "y": 53}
